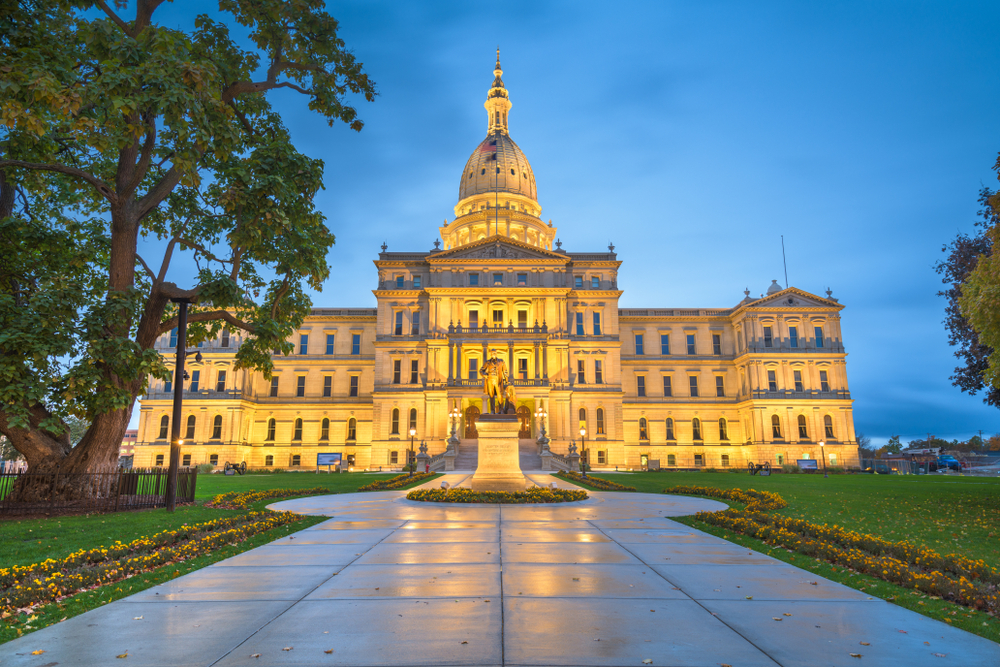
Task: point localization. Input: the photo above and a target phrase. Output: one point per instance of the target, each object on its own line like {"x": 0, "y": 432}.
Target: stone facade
{"x": 764, "y": 380}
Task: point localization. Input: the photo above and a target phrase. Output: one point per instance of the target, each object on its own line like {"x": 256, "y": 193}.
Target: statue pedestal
{"x": 499, "y": 458}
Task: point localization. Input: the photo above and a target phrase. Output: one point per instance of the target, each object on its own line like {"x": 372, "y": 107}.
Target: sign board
{"x": 328, "y": 459}
{"x": 654, "y": 464}
{"x": 807, "y": 464}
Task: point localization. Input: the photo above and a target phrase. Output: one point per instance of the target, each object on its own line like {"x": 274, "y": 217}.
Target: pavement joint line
{"x": 689, "y": 596}
{"x": 304, "y": 596}
{"x": 503, "y": 627}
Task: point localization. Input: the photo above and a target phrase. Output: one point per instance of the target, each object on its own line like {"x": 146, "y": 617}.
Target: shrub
{"x": 790, "y": 468}
{"x": 709, "y": 470}
{"x": 205, "y": 468}
{"x": 396, "y": 482}
{"x": 535, "y": 495}
{"x": 602, "y": 484}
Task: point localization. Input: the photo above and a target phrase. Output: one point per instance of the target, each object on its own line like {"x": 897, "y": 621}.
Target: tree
{"x": 980, "y": 294}
{"x": 963, "y": 257}
{"x": 865, "y": 449}
{"x": 116, "y": 129}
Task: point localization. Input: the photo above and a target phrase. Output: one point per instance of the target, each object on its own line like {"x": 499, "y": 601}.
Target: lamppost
{"x": 413, "y": 459}
{"x": 583, "y": 451}
{"x": 822, "y": 452}
{"x": 170, "y": 496}
{"x": 454, "y": 419}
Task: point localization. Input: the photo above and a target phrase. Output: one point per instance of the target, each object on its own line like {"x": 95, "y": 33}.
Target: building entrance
{"x": 524, "y": 417}
{"x": 471, "y": 416}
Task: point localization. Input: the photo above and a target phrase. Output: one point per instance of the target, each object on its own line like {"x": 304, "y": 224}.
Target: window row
{"x": 697, "y": 432}
{"x": 592, "y": 282}
{"x": 498, "y": 280}
{"x": 581, "y": 371}
{"x": 689, "y": 342}
{"x": 329, "y": 344}
{"x": 668, "y": 386}
{"x": 772, "y": 381}
{"x": 324, "y": 430}
{"x": 397, "y": 371}
{"x": 803, "y": 427}
{"x": 595, "y": 320}
{"x": 599, "y": 422}
{"x": 497, "y": 319}
{"x": 300, "y": 386}
{"x": 225, "y": 340}
{"x": 394, "y": 422}
{"x": 195, "y": 384}
{"x": 794, "y": 340}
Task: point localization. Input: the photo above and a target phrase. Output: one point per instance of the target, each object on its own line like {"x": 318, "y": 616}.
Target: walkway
{"x": 608, "y": 581}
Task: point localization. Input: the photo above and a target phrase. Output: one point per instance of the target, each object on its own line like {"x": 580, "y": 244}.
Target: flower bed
{"x": 597, "y": 483}
{"x": 241, "y": 500}
{"x": 536, "y": 495}
{"x": 24, "y": 587}
{"x": 396, "y": 482}
{"x": 973, "y": 583}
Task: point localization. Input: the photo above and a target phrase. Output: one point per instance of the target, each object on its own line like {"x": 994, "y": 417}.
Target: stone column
{"x": 537, "y": 360}
{"x": 510, "y": 359}
{"x": 545, "y": 360}
{"x": 451, "y": 362}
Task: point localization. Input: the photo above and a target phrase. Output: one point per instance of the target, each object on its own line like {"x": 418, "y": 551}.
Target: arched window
{"x": 190, "y": 429}
{"x": 776, "y": 426}
{"x": 352, "y": 429}
{"x": 271, "y": 427}
{"x": 217, "y": 428}
{"x": 583, "y": 417}
{"x": 297, "y": 433}
{"x": 269, "y": 460}
{"x": 670, "y": 429}
{"x": 696, "y": 428}
{"x": 600, "y": 421}
{"x": 828, "y": 426}
{"x": 395, "y": 422}
{"x": 296, "y": 459}
{"x": 723, "y": 429}
{"x": 803, "y": 431}
{"x": 643, "y": 431}
{"x": 413, "y": 419}
{"x": 164, "y": 427}
{"x": 324, "y": 429}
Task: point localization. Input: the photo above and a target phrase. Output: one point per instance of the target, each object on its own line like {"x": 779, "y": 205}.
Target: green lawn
{"x": 946, "y": 514}
{"x": 29, "y": 541}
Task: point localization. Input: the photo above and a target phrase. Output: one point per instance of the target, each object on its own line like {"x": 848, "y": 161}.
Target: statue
{"x": 494, "y": 373}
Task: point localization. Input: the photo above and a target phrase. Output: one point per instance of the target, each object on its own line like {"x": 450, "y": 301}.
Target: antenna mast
{"x": 783, "y": 260}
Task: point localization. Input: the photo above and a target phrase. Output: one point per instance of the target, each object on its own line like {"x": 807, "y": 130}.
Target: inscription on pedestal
{"x": 499, "y": 458}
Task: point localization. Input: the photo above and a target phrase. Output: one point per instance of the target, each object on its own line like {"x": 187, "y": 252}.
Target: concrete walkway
{"x": 607, "y": 581}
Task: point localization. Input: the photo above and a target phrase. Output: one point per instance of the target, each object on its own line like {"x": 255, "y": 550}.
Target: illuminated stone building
{"x": 764, "y": 380}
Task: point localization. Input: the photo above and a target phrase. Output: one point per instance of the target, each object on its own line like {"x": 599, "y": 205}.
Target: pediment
{"x": 792, "y": 297}
{"x": 496, "y": 248}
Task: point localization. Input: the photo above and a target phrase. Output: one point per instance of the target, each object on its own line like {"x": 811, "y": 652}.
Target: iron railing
{"x": 26, "y": 492}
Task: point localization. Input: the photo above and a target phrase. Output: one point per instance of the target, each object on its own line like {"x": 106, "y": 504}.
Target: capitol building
{"x": 762, "y": 380}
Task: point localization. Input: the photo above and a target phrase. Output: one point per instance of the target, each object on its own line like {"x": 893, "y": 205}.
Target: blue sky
{"x": 694, "y": 135}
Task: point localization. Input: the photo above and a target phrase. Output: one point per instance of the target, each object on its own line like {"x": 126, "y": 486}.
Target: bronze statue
{"x": 494, "y": 373}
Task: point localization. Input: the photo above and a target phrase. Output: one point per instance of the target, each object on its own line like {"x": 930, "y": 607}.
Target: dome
{"x": 497, "y": 164}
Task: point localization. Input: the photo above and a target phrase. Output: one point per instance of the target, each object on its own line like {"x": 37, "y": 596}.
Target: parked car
{"x": 949, "y": 462}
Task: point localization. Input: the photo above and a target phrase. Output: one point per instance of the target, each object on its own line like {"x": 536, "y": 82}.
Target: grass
{"x": 948, "y": 515}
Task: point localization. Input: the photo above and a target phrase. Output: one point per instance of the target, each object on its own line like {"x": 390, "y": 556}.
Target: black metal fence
{"x": 45, "y": 493}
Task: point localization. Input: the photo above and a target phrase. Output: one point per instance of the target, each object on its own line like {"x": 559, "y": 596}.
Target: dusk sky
{"x": 693, "y": 135}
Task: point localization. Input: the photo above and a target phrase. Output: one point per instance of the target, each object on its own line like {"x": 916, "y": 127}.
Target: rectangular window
{"x": 793, "y": 336}
{"x": 329, "y": 343}
{"x": 220, "y": 381}
{"x": 522, "y": 319}
{"x": 720, "y": 385}
{"x": 416, "y": 282}
{"x": 415, "y": 323}
{"x": 601, "y": 457}
{"x": 354, "y": 385}
{"x": 473, "y": 369}
{"x": 772, "y": 381}
{"x": 187, "y": 460}
{"x": 304, "y": 344}
{"x": 768, "y": 340}
{"x": 780, "y": 458}
{"x": 598, "y": 372}
{"x": 819, "y": 336}
{"x": 168, "y": 386}
{"x": 579, "y": 324}
{"x": 393, "y": 458}
{"x": 578, "y": 282}
{"x": 498, "y": 280}
{"x": 396, "y": 370}
{"x": 274, "y": 386}
{"x": 671, "y": 460}
{"x": 597, "y": 324}
{"x": 522, "y": 368}
{"x": 716, "y": 344}
{"x": 640, "y": 385}
{"x": 327, "y": 386}
{"x": 473, "y": 280}
{"x": 699, "y": 460}
{"x": 690, "y": 343}
{"x": 225, "y": 338}
{"x": 414, "y": 371}
{"x": 664, "y": 344}
{"x": 498, "y": 318}
{"x": 522, "y": 279}
{"x": 300, "y": 385}
{"x": 400, "y": 282}
{"x": 798, "y": 380}
{"x": 595, "y": 282}
{"x": 581, "y": 375}
{"x": 833, "y": 459}
{"x": 173, "y": 337}
{"x": 195, "y": 377}
{"x": 668, "y": 388}
{"x": 355, "y": 343}
{"x": 638, "y": 344}
{"x": 693, "y": 383}
{"x": 473, "y": 319}
{"x": 725, "y": 460}
{"x": 824, "y": 382}
{"x": 397, "y": 329}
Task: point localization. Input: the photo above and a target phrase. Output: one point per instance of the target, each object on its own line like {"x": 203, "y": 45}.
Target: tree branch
{"x": 279, "y": 295}
{"x": 205, "y": 251}
{"x": 145, "y": 157}
{"x": 145, "y": 266}
{"x": 114, "y": 17}
{"x": 208, "y": 316}
{"x": 97, "y": 183}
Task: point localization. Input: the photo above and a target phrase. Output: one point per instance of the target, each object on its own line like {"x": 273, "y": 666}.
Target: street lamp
{"x": 822, "y": 452}
{"x": 583, "y": 451}
{"x": 170, "y": 495}
{"x": 413, "y": 458}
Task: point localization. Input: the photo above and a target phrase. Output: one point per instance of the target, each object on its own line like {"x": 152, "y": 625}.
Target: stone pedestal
{"x": 499, "y": 458}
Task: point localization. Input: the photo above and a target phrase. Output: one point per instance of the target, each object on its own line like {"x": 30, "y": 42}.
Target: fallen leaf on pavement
{"x": 39, "y": 652}
{"x": 865, "y": 644}
{"x": 465, "y": 642}
{"x": 939, "y": 655}
{"x": 786, "y": 614}
{"x": 855, "y": 655}
{"x": 647, "y": 661}
{"x": 777, "y": 618}
{"x": 123, "y": 655}
{"x": 255, "y": 655}
{"x": 287, "y": 648}
{"x": 137, "y": 618}
{"x": 330, "y": 651}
